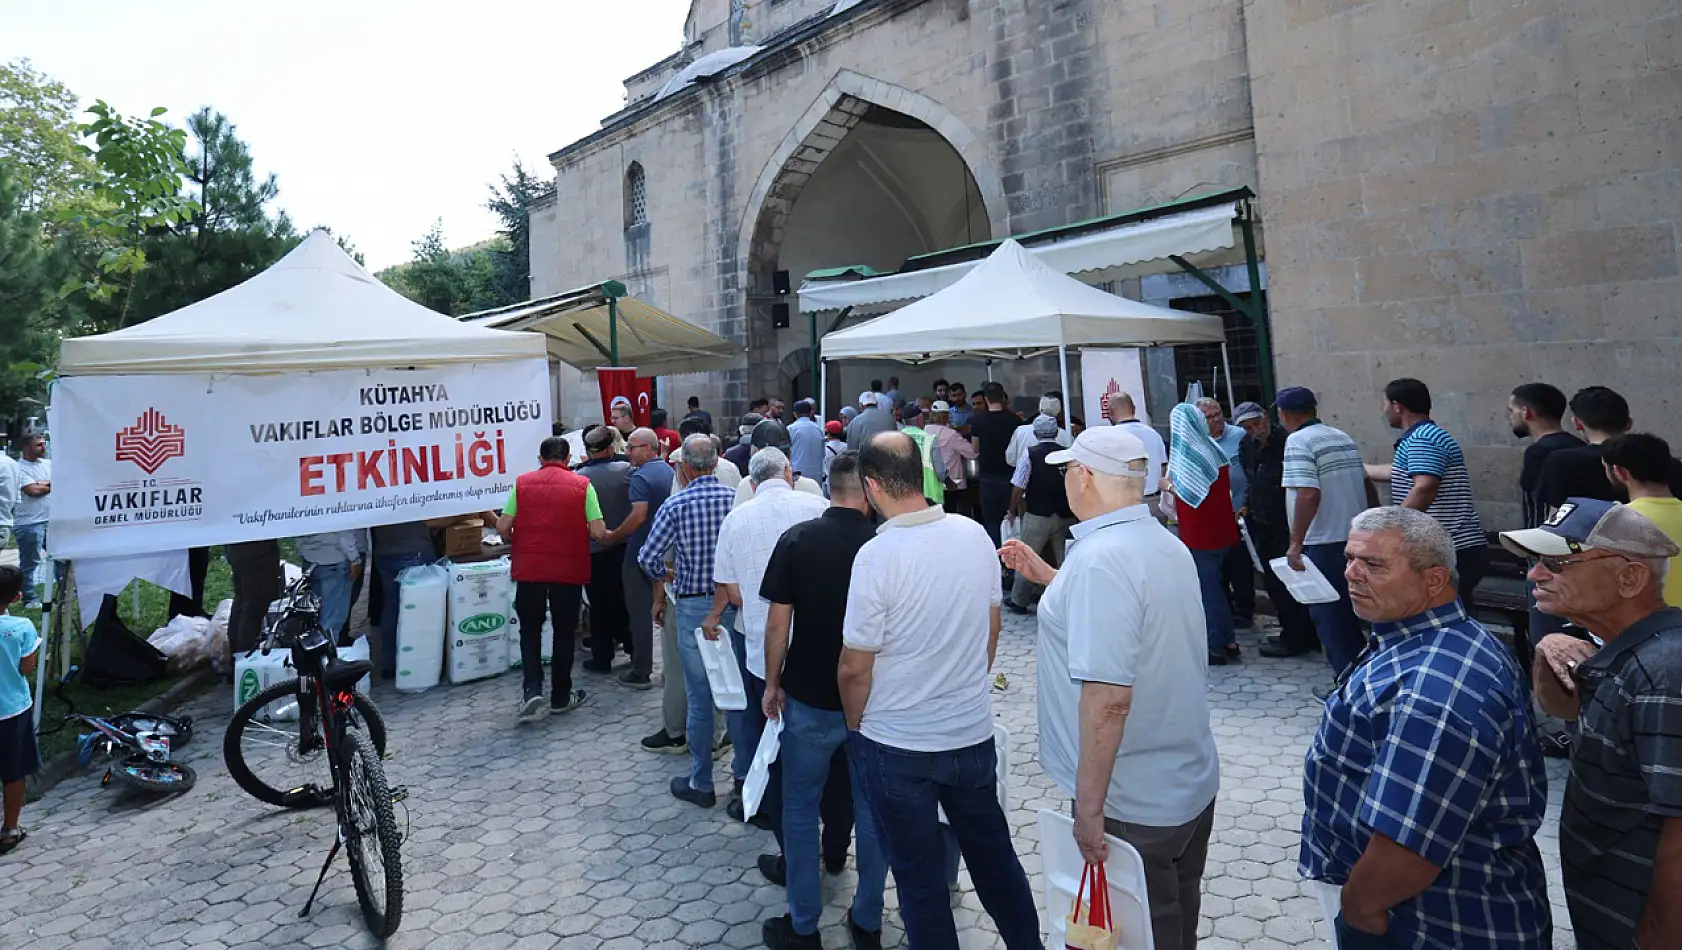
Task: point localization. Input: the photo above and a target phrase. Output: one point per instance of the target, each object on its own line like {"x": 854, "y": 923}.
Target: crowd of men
{"x": 858, "y": 568}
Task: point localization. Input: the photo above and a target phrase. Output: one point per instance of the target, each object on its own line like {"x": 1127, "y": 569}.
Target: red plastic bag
{"x": 1098, "y": 931}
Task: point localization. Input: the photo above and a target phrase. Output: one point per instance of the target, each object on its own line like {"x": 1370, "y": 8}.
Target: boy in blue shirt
{"x": 19, "y": 759}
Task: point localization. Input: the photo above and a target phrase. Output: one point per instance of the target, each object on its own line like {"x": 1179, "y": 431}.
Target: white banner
{"x": 160, "y": 463}
{"x": 1105, "y": 373}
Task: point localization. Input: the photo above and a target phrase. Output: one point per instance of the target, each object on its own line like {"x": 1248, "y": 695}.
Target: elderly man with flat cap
{"x": 1602, "y": 566}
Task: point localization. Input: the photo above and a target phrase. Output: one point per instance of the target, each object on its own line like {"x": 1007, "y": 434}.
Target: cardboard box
{"x": 465, "y": 539}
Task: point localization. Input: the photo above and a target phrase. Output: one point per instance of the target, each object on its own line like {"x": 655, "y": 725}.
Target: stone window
{"x": 636, "y": 196}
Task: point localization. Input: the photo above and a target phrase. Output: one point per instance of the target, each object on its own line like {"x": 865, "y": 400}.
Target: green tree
{"x": 434, "y": 278}
{"x": 33, "y": 311}
{"x": 511, "y": 201}
{"x": 38, "y": 133}
{"x": 229, "y": 237}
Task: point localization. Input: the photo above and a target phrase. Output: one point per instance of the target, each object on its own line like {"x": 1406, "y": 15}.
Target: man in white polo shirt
{"x": 1122, "y": 643}
{"x": 913, "y": 679}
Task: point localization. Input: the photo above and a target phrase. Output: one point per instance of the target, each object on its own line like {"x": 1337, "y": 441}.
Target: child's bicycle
{"x": 142, "y": 743}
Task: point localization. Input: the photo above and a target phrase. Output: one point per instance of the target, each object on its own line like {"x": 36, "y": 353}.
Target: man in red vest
{"x": 558, "y": 515}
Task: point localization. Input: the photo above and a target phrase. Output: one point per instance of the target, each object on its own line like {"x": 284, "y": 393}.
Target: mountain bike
{"x": 330, "y": 725}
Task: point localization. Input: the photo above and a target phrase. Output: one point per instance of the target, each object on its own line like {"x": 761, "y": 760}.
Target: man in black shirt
{"x": 807, "y": 579}
{"x": 1535, "y": 411}
{"x": 991, "y": 431}
{"x": 1577, "y": 472}
{"x": 1262, "y": 456}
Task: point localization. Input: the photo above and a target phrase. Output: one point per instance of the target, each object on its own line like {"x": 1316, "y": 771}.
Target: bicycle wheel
{"x": 157, "y": 778}
{"x": 371, "y": 835}
{"x": 274, "y": 764}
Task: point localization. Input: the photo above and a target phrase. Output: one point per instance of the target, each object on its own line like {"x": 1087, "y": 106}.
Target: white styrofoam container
{"x": 1061, "y": 860}
{"x": 423, "y": 599}
{"x": 724, "y": 674}
{"x": 476, "y": 643}
{"x": 255, "y": 672}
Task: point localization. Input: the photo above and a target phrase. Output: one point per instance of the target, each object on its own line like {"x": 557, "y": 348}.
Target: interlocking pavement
{"x": 562, "y": 835}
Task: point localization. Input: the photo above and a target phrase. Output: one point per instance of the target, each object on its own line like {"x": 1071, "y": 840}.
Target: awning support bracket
{"x": 604, "y": 351}
{"x": 1252, "y": 309}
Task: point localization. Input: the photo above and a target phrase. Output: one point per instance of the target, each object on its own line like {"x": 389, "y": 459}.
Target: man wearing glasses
{"x": 1602, "y": 566}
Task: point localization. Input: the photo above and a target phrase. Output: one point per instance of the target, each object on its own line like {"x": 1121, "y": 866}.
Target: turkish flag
{"x": 622, "y": 382}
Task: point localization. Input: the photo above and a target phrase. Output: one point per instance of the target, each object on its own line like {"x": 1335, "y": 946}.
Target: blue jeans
{"x": 745, "y": 725}
{"x": 810, "y": 738}
{"x": 698, "y": 693}
{"x": 331, "y": 582}
{"x": 1335, "y": 623}
{"x": 903, "y": 789}
{"x": 1211, "y": 588}
{"x": 32, "y": 539}
{"x": 388, "y": 566}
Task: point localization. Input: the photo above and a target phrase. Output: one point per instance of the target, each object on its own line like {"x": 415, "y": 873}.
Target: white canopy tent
{"x": 1013, "y": 305}
{"x": 314, "y": 310}
{"x": 1109, "y": 254}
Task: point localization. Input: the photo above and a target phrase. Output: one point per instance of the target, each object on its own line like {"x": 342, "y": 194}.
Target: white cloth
{"x": 98, "y": 576}
{"x": 8, "y": 489}
{"x": 929, "y": 690}
{"x": 33, "y": 510}
{"x": 332, "y": 547}
{"x": 745, "y": 541}
{"x": 745, "y": 491}
{"x": 1023, "y": 439}
{"x": 728, "y": 474}
{"x": 1156, "y": 452}
{"x": 1125, "y": 610}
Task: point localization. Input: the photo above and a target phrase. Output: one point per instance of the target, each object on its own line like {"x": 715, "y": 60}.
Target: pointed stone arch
{"x": 814, "y": 135}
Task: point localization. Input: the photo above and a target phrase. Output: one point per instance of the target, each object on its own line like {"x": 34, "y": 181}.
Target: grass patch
{"x": 153, "y": 604}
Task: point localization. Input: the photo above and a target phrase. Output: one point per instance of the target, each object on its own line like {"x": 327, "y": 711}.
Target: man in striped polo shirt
{"x": 1429, "y": 474}
{"x": 1325, "y": 488}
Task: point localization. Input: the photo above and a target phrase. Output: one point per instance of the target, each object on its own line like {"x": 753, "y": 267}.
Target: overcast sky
{"x": 378, "y": 116}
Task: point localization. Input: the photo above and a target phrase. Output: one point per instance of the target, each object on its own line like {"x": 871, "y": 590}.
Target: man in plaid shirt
{"x": 689, "y": 520}
{"x": 1424, "y": 786}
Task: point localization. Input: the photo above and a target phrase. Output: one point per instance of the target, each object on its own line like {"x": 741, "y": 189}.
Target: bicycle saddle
{"x": 343, "y": 674}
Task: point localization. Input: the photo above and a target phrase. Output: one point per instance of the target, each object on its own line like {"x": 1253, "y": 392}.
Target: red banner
{"x": 623, "y": 383}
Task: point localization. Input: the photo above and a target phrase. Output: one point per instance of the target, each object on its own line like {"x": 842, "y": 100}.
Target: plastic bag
{"x": 219, "y": 636}
{"x": 1098, "y": 931}
{"x": 185, "y": 641}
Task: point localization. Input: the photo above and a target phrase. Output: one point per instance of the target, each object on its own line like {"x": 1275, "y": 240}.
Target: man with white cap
{"x": 1121, "y": 639}
{"x": 873, "y": 419}
{"x": 1602, "y": 566}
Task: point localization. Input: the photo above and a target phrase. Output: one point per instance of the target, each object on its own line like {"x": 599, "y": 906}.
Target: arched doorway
{"x": 863, "y": 184}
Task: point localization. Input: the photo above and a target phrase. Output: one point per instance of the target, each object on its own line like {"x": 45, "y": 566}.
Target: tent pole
{"x": 1226, "y": 366}
{"x": 1063, "y": 367}
{"x": 613, "y": 330}
{"x": 989, "y": 371}
{"x": 822, "y": 367}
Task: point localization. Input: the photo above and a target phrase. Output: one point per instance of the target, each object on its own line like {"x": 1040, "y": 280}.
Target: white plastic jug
{"x": 422, "y": 596}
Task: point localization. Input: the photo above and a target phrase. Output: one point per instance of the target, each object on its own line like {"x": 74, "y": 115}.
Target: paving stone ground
{"x": 562, "y": 835}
